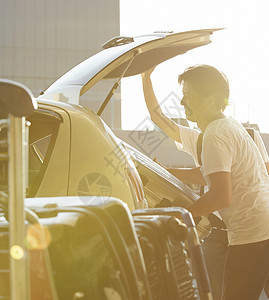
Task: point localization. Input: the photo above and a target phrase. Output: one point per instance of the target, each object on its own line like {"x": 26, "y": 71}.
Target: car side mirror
{"x": 15, "y": 99}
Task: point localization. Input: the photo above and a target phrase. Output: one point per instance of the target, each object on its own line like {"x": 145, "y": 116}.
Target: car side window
{"x": 37, "y": 153}
{"x": 42, "y": 135}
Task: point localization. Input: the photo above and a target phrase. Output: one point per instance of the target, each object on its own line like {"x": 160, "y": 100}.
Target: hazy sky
{"x": 241, "y": 51}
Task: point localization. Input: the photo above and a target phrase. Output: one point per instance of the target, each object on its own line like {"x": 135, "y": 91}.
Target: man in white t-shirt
{"x": 215, "y": 245}
{"x": 234, "y": 172}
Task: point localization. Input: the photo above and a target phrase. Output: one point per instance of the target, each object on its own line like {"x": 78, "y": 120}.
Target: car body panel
{"x": 86, "y": 159}
{"x": 98, "y": 153}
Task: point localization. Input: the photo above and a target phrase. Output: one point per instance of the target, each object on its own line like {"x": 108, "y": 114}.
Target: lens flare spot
{"x": 38, "y": 237}
{"x": 16, "y": 252}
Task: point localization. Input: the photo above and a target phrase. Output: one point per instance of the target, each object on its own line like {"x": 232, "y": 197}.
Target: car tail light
{"x": 136, "y": 183}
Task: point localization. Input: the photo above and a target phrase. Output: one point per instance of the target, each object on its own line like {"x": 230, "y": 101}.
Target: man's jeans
{"x": 215, "y": 247}
{"x": 246, "y": 270}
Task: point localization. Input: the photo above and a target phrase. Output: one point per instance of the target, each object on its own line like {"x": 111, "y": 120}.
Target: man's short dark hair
{"x": 208, "y": 81}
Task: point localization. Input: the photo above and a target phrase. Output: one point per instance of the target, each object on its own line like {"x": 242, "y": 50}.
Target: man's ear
{"x": 210, "y": 100}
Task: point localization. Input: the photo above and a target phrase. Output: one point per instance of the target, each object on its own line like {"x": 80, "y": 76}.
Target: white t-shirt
{"x": 228, "y": 147}
{"x": 189, "y": 138}
{"x": 260, "y": 144}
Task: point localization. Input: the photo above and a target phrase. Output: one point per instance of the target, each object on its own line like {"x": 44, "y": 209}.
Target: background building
{"x": 41, "y": 40}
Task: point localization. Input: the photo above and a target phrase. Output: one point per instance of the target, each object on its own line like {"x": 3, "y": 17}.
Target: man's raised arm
{"x": 163, "y": 122}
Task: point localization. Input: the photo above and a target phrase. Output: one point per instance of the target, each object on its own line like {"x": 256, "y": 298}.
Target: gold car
{"x": 73, "y": 152}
